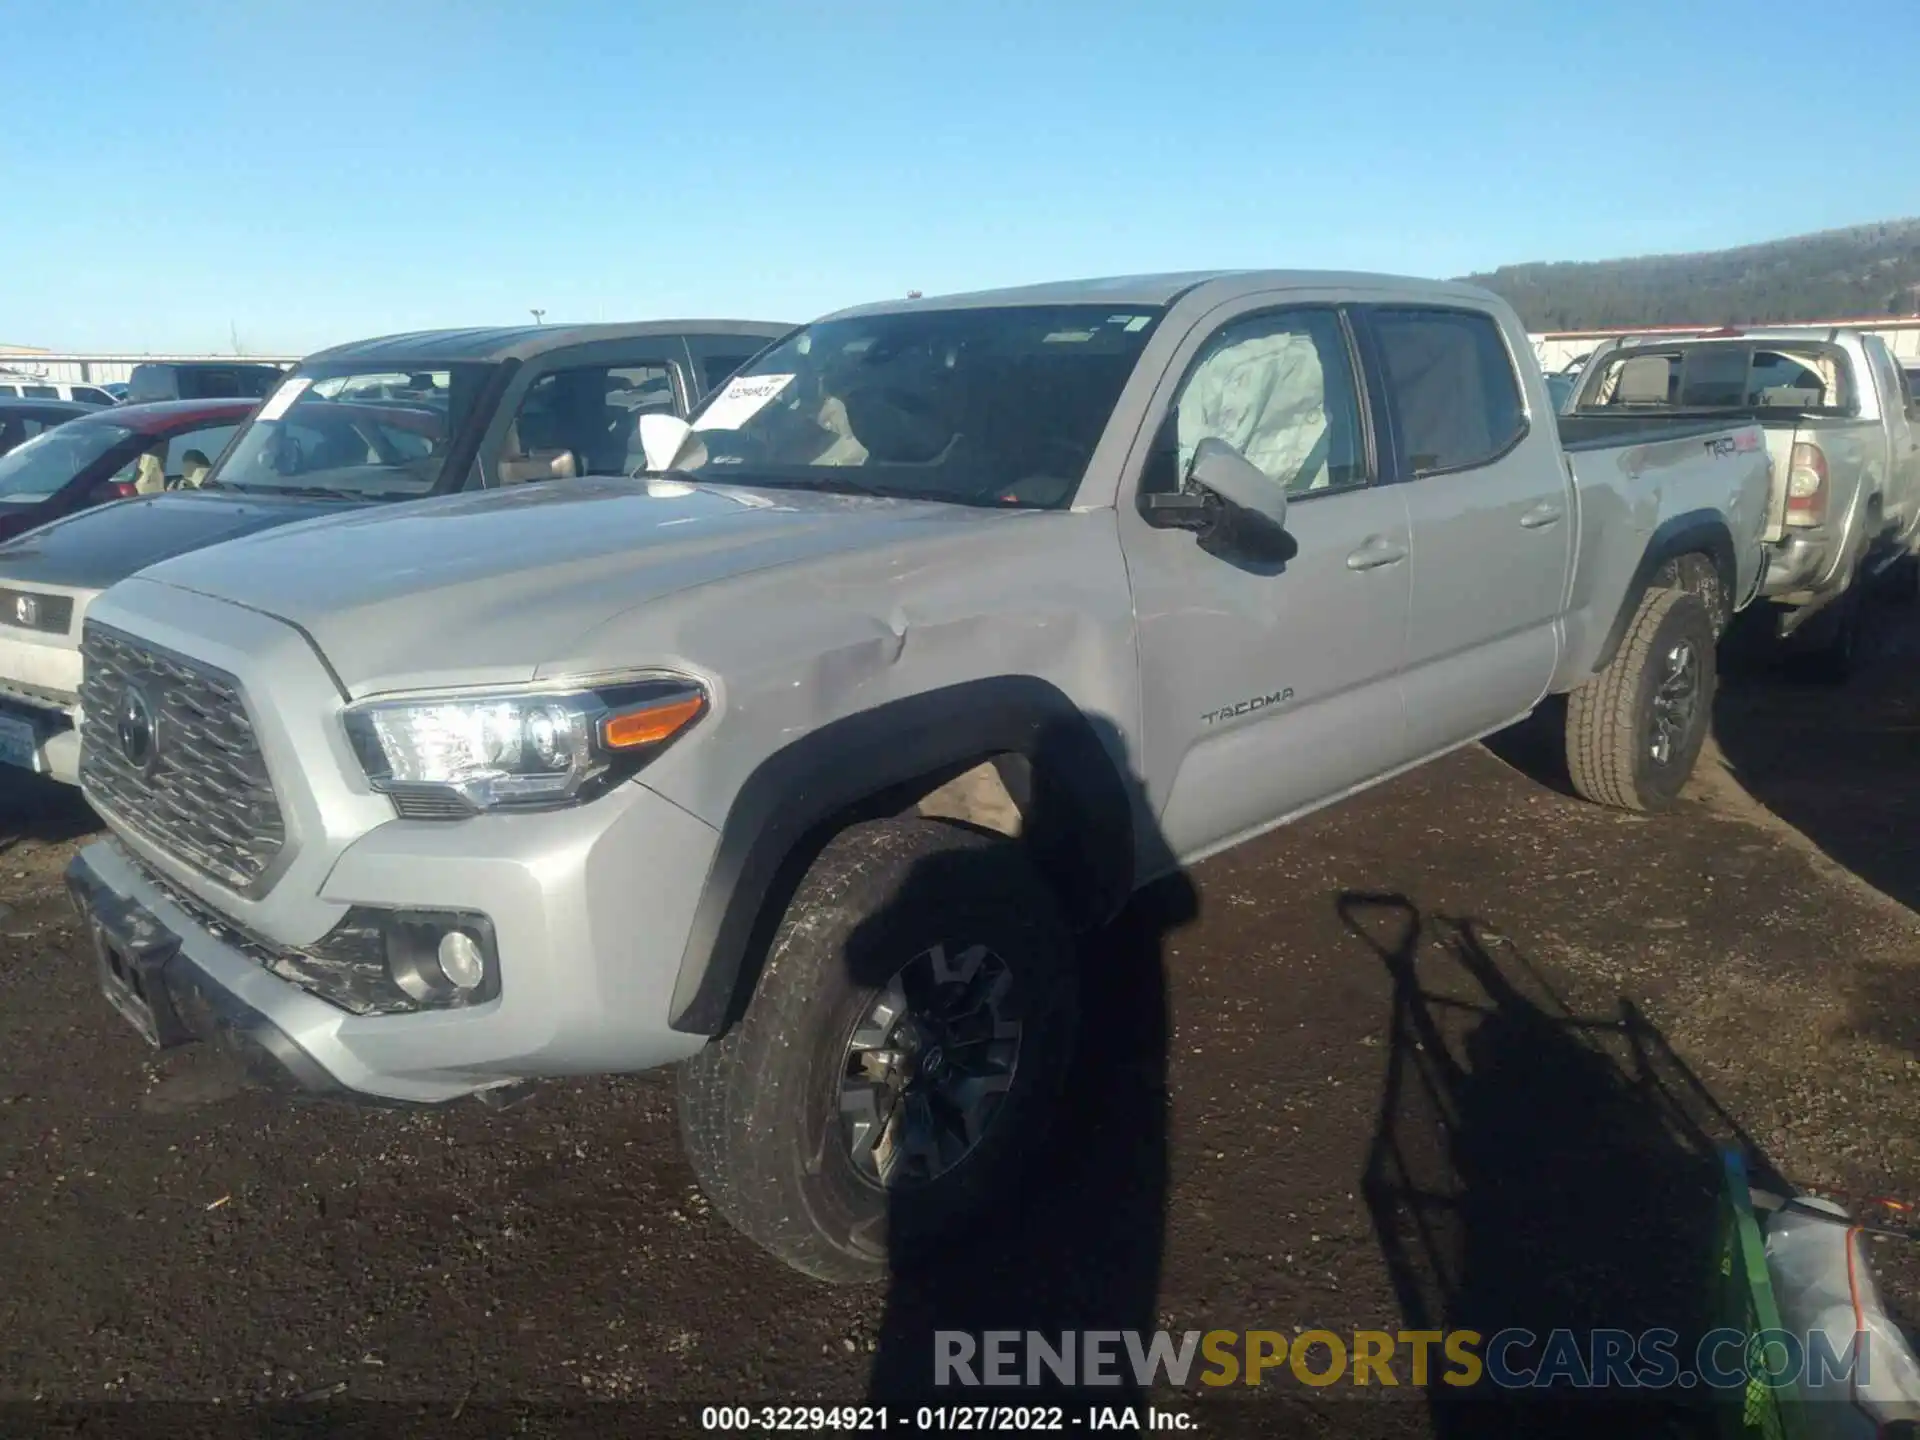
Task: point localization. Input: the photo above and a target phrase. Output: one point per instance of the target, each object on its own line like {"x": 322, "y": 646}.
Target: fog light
{"x": 461, "y": 960}
{"x": 442, "y": 958}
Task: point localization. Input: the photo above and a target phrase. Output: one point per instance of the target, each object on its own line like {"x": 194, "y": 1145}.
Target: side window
{"x": 18, "y": 430}
{"x": 87, "y": 395}
{"x": 1453, "y": 387}
{"x": 585, "y": 421}
{"x": 1279, "y": 388}
{"x": 190, "y": 455}
{"x": 41, "y": 392}
{"x": 716, "y": 370}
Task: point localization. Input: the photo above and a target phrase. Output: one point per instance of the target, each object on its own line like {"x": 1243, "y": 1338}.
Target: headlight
{"x": 449, "y": 756}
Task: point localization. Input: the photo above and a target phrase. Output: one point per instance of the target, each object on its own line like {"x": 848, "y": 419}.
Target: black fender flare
{"x": 1695, "y": 532}
{"x": 1051, "y": 756}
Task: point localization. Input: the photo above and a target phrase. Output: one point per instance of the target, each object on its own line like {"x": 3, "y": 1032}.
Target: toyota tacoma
{"x": 799, "y": 759}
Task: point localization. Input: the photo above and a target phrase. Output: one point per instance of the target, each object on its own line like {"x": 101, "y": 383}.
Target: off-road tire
{"x": 1609, "y": 717}
{"x": 759, "y": 1107}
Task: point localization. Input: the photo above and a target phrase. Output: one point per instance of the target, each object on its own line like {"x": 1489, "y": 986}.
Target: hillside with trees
{"x": 1866, "y": 270}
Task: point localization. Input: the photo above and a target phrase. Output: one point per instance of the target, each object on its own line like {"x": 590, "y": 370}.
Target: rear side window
{"x": 1454, "y": 392}
{"x": 209, "y": 384}
{"x": 41, "y": 392}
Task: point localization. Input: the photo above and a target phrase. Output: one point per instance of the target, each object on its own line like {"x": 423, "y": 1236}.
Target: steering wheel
{"x": 896, "y": 426}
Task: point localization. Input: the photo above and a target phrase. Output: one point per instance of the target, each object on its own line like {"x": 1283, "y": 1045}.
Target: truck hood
{"x": 102, "y": 546}
{"x": 485, "y": 587}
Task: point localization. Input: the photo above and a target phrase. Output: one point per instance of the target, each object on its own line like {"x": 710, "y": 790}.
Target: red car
{"x": 112, "y": 454}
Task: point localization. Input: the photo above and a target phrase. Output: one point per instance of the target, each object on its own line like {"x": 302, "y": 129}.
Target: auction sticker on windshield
{"x": 744, "y": 397}
{"x": 282, "y": 399}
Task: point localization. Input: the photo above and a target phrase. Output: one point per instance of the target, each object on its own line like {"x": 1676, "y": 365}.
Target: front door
{"x": 1490, "y": 504}
{"x": 1269, "y": 679}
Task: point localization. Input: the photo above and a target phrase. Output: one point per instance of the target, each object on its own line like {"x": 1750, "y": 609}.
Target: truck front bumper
{"x": 589, "y": 911}
{"x": 55, "y": 739}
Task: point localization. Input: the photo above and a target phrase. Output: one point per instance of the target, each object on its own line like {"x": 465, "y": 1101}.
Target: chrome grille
{"x": 200, "y": 790}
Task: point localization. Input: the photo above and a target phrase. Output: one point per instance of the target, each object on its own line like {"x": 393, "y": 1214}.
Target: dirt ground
{"x": 1454, "y": 1053}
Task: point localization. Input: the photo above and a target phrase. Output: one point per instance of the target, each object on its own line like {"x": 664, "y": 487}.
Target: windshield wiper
{"x": 828, "y": 486}
{"x": 311, "y": 492}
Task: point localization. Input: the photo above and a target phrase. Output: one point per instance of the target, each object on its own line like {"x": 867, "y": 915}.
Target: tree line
{"x": 1863, "y": 271}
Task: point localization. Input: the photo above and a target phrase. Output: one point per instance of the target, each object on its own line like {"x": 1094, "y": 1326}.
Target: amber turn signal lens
{"x": 650, "y": 724}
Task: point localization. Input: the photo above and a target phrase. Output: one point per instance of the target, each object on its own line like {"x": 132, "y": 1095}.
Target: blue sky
{"x": 315, "y": 173}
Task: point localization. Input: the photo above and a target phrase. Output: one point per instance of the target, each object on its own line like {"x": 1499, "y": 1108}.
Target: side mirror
{"x": 661, "y": 437}
{"x": 1223, "y": 492}
{"x": 1242, "y": 486}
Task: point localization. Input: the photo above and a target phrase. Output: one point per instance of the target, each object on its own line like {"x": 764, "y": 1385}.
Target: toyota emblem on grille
{"x": 26, "y": 609}
{"x": 133, "y": 723}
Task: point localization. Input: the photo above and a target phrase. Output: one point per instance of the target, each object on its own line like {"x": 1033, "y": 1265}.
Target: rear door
{"x": 1489, "y": 502}
{"x": 1903, "y": 459}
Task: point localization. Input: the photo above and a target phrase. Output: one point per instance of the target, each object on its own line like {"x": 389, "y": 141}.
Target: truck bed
{"x": 1599, "y": 432}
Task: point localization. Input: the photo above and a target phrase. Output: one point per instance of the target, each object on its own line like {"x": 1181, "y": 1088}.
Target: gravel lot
{"x": 1454, "y": 1053}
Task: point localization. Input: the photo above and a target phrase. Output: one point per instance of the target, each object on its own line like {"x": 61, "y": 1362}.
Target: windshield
{"x": 361, "y": 433}
{"x": 31, "y": 472}
{"x": 999, "y": 406}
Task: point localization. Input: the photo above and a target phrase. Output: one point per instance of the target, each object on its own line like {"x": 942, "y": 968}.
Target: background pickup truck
{"x": 946, "y": 626}
{"x": 1841, "y": 429}
{"x": 377, "y": 421}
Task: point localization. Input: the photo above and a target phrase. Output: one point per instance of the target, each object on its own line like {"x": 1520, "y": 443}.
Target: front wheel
{"x": 902, "y": 1055}
{"x": 1635, "y": 729}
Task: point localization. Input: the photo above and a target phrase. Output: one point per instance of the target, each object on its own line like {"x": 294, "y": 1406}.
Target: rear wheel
{"x": 1635, "y": 729}
{"x": 901, "y": 1058}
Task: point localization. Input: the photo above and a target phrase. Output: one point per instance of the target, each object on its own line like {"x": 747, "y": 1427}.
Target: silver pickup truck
{"x": 943, "y": 627}
{"x": 374, "y": 422}
{"x": 1844, "y": 437}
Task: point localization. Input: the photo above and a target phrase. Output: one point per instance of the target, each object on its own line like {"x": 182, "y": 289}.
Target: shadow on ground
{"x": 1082, "y": 1249}
{"x": 1533, "y": 1167}
{"x": 1841, "y": 764}
{"x": 35, "y": 808}
{"x": 1537, "y": 746}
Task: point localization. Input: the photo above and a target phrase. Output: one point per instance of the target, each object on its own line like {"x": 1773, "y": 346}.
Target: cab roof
{"x": 1164, "y": 290}
{"x": 158, "y": 417}
{"x": 524, "y": 342}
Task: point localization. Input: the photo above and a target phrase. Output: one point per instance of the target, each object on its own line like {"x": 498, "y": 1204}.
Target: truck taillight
{"x": 1806, "y": 485}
